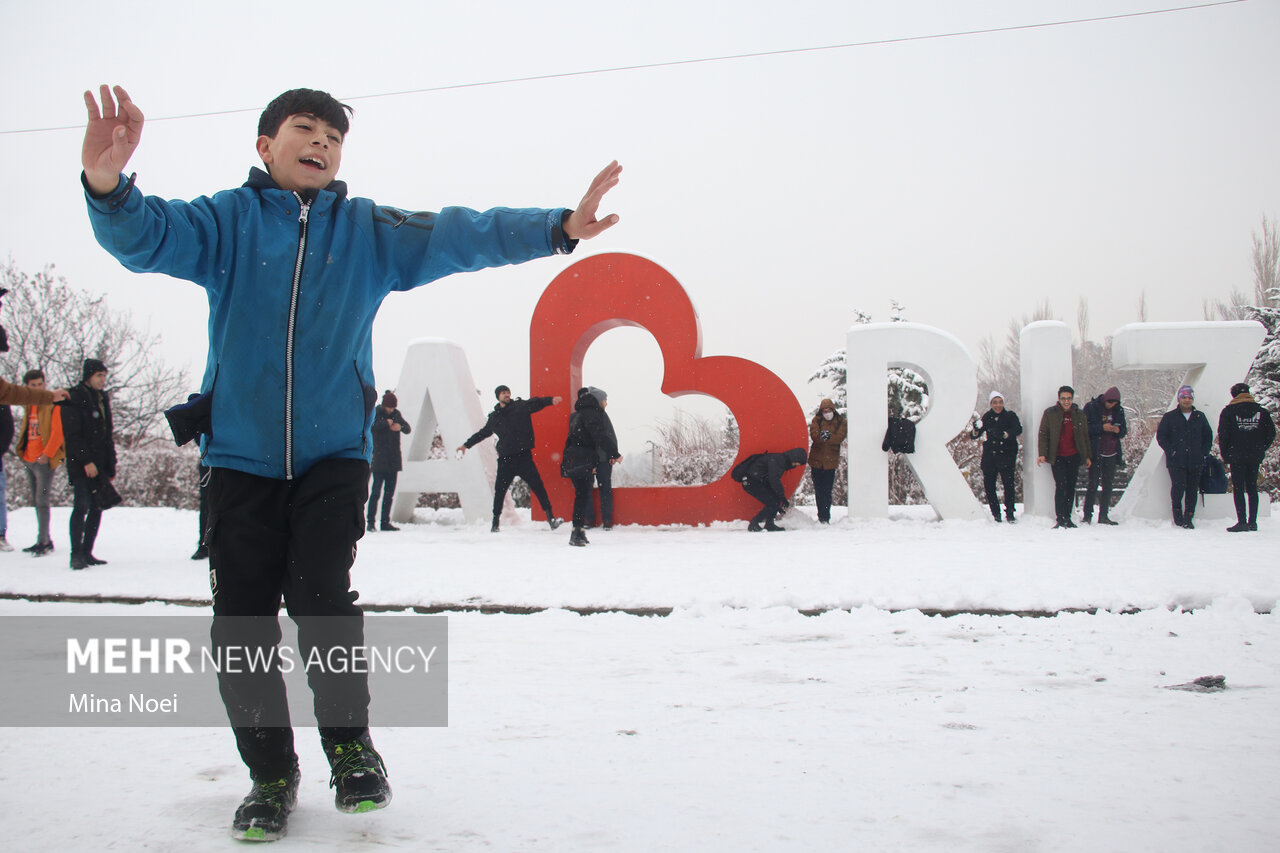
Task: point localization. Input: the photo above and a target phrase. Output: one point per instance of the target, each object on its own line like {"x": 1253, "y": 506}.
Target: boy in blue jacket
{"x": 295, "y": 271}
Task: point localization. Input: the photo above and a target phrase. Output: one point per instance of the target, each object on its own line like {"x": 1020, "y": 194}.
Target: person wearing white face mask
{"x": 827, "y": 432}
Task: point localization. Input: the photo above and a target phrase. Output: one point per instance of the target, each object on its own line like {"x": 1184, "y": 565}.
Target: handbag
{"x": 105, "y": 495}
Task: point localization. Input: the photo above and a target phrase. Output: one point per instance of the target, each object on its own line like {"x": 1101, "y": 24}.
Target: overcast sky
{"x": 971, "y": 178}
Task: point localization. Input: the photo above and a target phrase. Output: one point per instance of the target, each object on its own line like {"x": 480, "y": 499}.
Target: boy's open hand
{"x": 109, "y": 138}
{"x": 582, "y": 223}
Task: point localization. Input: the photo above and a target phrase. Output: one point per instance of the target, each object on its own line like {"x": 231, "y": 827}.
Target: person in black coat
{"x": 1107, "y": 427}
{"x": 590, "y": 444}
{"x": 6, "y": 438}
{"x": 91, "y": 458}
{"x": 1245, "y": 433}
{"x": 763, "y": 481}
{"x": 999, "y": 452}
{"x": 388, "y": 426}
{"x": 510, "y": 420}
{"x": 1186, "y": 438}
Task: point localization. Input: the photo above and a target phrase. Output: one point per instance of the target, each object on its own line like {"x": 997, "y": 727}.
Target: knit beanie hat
{"x": 1186, "y": 391}
{"x": 598, "y": 394}
{"x": 92, "y": 366}
{"x": 389, "y": 400}
{"x": 993, "y": 395}
{"x": 497, "y": 392}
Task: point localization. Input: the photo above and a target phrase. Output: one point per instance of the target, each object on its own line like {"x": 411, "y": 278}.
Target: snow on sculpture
{"x": 437, "y": 394}
{"x": 949, "y": 371}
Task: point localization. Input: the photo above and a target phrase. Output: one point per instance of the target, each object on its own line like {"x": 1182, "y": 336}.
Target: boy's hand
{"x": 109, "y": 138}
{"x": 582, "y": 223}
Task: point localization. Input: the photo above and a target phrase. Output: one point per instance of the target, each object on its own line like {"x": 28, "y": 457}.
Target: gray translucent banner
{"x": 148, "y": 670}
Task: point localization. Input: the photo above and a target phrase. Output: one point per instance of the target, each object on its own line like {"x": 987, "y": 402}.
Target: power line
{"x": 563, "y": 75}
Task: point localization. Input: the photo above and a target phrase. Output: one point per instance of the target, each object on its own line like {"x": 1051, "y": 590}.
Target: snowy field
{"x": 737, "y": 722}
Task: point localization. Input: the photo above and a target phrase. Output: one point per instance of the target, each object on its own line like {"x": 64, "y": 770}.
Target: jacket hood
{"x": 1242, "y": 398}
{"x": 797, "y": 456}
{"x": 1112, "y": 393}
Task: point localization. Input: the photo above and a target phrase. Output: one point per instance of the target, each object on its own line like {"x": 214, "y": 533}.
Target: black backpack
{"x": 739, "y": 472}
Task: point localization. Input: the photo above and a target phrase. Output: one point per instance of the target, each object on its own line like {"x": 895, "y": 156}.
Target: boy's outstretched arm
{"x": 582, "y": 224}
{"x": 109, "y": 138}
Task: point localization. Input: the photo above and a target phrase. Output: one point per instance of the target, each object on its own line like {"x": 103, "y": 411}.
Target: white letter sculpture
{"x": 437, "y": 394}
{"x": 951, "y": 375}
{"x": 1216, "y": 355}
{"x": 1044, "y": 349}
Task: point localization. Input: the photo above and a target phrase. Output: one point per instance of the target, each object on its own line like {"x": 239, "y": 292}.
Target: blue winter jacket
{"x": 294, "y": 284}
{"x": 1185, "y": 441}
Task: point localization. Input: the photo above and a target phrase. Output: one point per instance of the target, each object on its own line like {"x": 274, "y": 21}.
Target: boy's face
{"x": 304, "y": 154}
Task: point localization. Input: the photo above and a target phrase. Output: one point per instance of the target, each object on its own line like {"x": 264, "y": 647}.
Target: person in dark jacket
{"x": 604, "y": 471}
{"x": 91, "y": 458}
{"x": 510, "y": 420}
{"x": 388, "y": 426}
{"x": 1063, "y": 442}
{"x": 1245, "y": 433}
{"x": 999, "y": 453}
{"x": 1186, "y": 438}
{"x": 6, "y": 438}
{"x": 589, "y": 445}
{"x": 827, "y": 431}
{"x": 763, "y": 481}
{"x": 1107, "y": 427}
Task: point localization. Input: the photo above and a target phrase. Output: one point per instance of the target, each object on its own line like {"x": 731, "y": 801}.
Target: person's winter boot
{"x": 388, "y": 527}
{"x": 202, "y": 553}
{"x": 1186, "y": 522}
{"x": 995, "y": 511}
{"x": 494, "y": 528}
{"x": 1177, "y": 517}
{"x": 555, "y": 522}
{"x": 1239, "y": 527}
{"x": 78, "y": 562}
{"x": 578, "y": 537}
{"x": 359, "y": 778}
{"x": 1103, "y": 518}
{"x": 1087, "y": 515}
{"x": 264, "y": 814}
{"x": 371, "y": 527}
{"x": 772, "y": 526}
{"x": 91, "y": 560}
{"x": 1009, "y": 516}
{"x": 754, "y": 526}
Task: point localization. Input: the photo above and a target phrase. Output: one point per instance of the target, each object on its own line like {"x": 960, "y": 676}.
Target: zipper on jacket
{"x": 303, "y": 210}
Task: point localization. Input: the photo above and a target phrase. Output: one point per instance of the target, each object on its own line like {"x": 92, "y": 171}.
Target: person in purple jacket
{"x": 295, "y": 271}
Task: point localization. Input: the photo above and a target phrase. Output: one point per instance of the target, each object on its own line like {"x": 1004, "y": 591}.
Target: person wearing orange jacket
{"x": 41, "y": 449}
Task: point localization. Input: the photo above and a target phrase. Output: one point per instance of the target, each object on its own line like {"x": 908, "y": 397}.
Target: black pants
{"x": 1066, "y": 469}
{"x": 384, "y": 483}
{"x": 521, "y": 465}
{"x": 604, "y": 480}
{"x": 1244, "y": 484}
{"x": 1183, "y": 491}
{"x": 203, "y": 473}
{"x": 989, "y": 475}
{"x": 581, "y": 499}
{"x": 85, "y": 518}
{"x": 293, "y": 540}
{"x": 1104, "y": 472}
{"x": 824, "y": 480}
{"x": 772, "y": 504}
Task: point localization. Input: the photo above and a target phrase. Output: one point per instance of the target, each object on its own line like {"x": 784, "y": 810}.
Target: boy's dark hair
{"x": 322, "y": 105}
{"x": 1239, "y": 388}
{"x": 34, "y": 373}
{"x": 1068, "y": 389}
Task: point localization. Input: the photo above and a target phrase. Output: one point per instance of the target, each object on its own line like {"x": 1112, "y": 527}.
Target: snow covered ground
{"x": 736, "y": 722}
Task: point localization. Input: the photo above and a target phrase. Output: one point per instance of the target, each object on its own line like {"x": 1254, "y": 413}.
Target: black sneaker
{"x": 94, "y": 561}
{"x": 264, "y": 814}
{"x": 202, "y": 553}
{"x": 371, "y": 527}
{"x": 754, "y": 527}
{"x": 359, "y": 777}
{"x": 39, "y": 550}
{"x": 555, "y": 522}
{"x": 31, "y": 549}
{"x": 578, "y": 538}
{"x": 1186, "y": 522}
{"x": 1239, "y": 527}
{"x": 495, "y": 528}
{"x": 1104, "y": 520}
{"x": 388, "y": 527}
{"x": 78, "y": 562}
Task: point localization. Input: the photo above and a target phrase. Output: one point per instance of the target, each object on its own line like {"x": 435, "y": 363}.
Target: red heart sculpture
{"x": 607, "y": 291}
